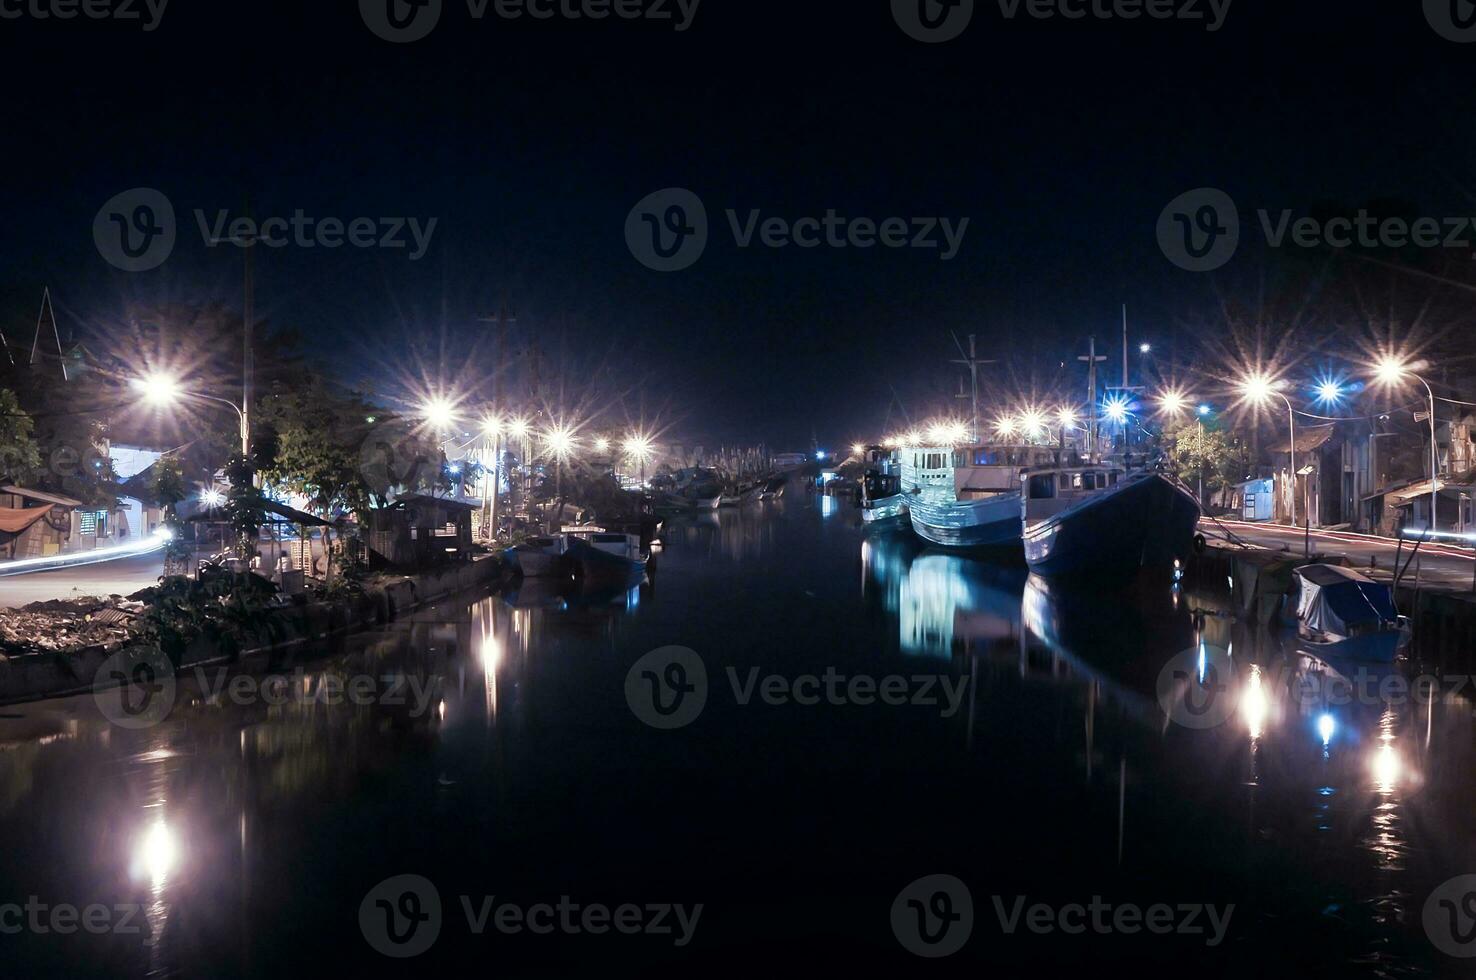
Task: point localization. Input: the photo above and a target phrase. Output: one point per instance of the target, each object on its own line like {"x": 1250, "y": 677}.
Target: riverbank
{"x": 55, "y": 673}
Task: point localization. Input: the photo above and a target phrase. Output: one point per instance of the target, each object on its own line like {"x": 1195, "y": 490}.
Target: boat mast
{"x": 972, "y": 361}
{"x": 1092, "y": 358}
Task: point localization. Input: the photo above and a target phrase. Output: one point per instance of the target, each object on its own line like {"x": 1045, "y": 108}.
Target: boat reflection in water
{"x": 946, "y": 605}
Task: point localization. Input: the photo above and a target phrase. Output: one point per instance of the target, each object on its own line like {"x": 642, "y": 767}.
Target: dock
{"x": 1437, "y": 589}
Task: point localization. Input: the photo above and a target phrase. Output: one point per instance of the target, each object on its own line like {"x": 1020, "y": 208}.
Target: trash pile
{"x": 66, "y": 624}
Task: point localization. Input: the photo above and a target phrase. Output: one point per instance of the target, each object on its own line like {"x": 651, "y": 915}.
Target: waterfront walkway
{"x": 1441, "y": 565}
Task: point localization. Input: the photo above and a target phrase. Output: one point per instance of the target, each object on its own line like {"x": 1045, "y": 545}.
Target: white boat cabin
{"x": 612, "y": 542}
{"x": 1048, "y": 492}
{"x": 969, "y": 472}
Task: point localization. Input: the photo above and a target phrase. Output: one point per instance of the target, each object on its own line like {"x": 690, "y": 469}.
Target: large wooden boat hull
{"x": 1143, "y": 523}
{"x": 990, "y": 522}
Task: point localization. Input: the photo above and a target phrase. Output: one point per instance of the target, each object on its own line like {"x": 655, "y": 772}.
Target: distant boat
{"x": 1102, "y": 521}
{"x": 1339, "y": 613}
{"x": 601, "y": 557}
{"x": 968, "y": 497}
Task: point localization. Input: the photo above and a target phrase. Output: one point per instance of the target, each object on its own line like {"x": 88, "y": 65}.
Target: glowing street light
{"x": 439, "y": 413}
{"x": 1329, "y": 392}
{"x": 1116, "y": 409}
{"x": 1259, "y": 388}
{"x": 602, "y": 445}
{"x": 1390, "y": 371}
{"x": 1007, "y": 426}
{"x": 212, "y": 497}
{"x": 1066, "y": 418}
{"x": 857, "y": 448}
{"x": 492, "y": 426}
{"x": 1145, "y": 348}
{"x": 638, "y": 448}
{"x": 1173, "y": 402}
{"x": 159, "y": 389}
{"x": 162, "y": 390}
{"x": 1033, "y": 422}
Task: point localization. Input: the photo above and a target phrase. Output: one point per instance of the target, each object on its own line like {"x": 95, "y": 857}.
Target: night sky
{"x": 530, "y": 142}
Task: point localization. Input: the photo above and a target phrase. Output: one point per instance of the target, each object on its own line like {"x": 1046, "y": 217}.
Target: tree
{"x": 1200, "y": 452}
{"x": 19, "y": 455}
{"x": 167, "y": 488}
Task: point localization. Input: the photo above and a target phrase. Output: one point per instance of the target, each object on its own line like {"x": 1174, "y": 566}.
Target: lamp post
{"x": 1392, "y": 370}
{"x": 491, "y": 435}
{"x": 1258, "y": 389}
{"x": 163, "y": 390}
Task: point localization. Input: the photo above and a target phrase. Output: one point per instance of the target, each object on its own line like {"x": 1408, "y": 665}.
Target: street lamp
{"x": 439, "y": 412}
{"x": 638, "y": 447}
{"x": 162, "y": 390}
{"x": 1258, "y": 389}
{"x": 1391, "y": 371}
{"x": 559, "y": 441}
{"x": 491, "y": 434}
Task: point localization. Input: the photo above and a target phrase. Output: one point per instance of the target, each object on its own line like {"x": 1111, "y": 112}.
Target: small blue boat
{"x": 605, "y": 558}
{"x": 1341, "y": 614}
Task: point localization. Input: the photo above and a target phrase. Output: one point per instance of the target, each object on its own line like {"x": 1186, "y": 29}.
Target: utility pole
{"x": 972, "y": 362}
{"x": 500, "y": 320}
{"x": 1093, "y": 359}
{"x": 1125, "y": 381}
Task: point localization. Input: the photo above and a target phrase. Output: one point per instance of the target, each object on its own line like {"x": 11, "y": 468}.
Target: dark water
{"x": 250, "y": 833}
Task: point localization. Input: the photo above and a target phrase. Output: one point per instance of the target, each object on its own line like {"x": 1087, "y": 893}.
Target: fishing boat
{"x": 879, "y": 495}
{"x": 1103, "y": 520}
{"x": 601, "y": 556}
{"x": 967, "y": 497}
{"x": 542, "y": 557}
{"x": 1339, "y": 613}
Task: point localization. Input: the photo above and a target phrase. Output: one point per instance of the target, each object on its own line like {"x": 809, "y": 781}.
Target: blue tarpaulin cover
{"x": 1341, "y": 602}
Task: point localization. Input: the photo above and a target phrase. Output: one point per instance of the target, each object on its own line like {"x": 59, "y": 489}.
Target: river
{"x": 802, "y": 747}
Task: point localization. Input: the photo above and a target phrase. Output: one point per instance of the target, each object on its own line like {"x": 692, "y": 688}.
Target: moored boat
{"x": 967, "y": 497}
{"x": 541, "y": 557}
{"x": 1340, "y": 613}
{"x": 599, "y": 556}
{"x": 1102, "y": 521}
{"x": 880, "y": 493}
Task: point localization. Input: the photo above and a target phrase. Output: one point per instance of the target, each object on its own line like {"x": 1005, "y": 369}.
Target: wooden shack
{"x": 34, "y": 524}
{"x": 418, "y": 530}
